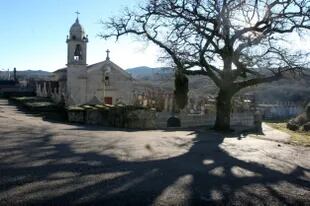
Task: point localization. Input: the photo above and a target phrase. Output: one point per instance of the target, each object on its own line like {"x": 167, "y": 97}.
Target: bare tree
{"x": 236, "y": 43}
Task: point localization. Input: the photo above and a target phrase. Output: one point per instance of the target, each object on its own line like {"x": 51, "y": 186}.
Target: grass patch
{"x": 298, "y": 138}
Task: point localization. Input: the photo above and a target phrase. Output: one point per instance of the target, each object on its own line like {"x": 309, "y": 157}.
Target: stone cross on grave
{"x": 108, "y": 54}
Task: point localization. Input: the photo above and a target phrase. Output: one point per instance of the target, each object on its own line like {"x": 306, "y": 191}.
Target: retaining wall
{"x": 272, "y": 112}
{"x": 149, "y": 119}
{"x": 191, "y": 120}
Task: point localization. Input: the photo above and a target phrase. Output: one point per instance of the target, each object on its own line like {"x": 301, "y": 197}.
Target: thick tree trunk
{"x": 223, "y": 110}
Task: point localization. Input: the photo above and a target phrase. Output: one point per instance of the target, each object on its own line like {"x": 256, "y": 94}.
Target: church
{"x": 79, "y": 83}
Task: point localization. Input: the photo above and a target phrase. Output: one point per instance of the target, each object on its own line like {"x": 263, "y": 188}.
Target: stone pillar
{"x": 170, "y": 103}
{"x": 166, "y": 104}
{"x": 145, "y": 102}
{"x": 202, "y": 108}
{"x": 44, "y": 93}
{"x": 38, "y": 89}
{"x": 258, "y": 122}
{"x": 308, "y": 111}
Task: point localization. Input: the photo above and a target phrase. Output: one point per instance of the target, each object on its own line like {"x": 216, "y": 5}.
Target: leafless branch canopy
{"x": 237, "y": 43}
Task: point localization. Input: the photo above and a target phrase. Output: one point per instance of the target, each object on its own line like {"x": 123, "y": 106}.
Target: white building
{"x": 79, "y": 83}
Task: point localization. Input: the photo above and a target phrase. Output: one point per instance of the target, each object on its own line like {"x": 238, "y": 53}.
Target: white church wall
{"x": 60, "y": 75}
{"x": 119, "y": 86}
{"x": 95, "y": 85}
{"x": 76, "y": 85}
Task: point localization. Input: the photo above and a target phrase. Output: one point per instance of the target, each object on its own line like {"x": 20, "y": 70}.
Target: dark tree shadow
{"x": 201, "y": 176}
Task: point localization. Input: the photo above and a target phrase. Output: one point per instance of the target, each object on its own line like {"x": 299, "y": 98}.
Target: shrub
{"x": 306, "y": 127}
{"x": 301, "y": 119}
{"x": 292, "y": 125}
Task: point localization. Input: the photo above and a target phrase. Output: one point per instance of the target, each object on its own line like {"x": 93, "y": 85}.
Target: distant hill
{"x": 293, "y": 90}
{"x": 285, "y": 90}
{"x": 145, "y": 72}
{"x": 26, "y": 74}
{"x": 163, "y": 79}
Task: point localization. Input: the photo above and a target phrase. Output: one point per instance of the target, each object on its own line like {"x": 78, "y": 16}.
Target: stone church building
{"x": 106, "y": 83}
{"x": 79, "y": 83}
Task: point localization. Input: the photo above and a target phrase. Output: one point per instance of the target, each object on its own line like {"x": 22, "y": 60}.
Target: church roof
{"x": 61, "y": 70}
{"x": 108, "y": 63}
{"x": 100, "y": 65}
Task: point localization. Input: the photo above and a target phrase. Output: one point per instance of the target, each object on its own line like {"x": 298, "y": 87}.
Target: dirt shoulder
{"x": 296, "y": 137}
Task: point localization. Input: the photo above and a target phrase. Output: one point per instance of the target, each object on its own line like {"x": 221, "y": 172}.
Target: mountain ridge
{"x": 163, "y": 78}
{"x": 145, "y": 71}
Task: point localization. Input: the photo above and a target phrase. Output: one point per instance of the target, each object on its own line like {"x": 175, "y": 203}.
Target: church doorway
{"x": 108, "y": 100}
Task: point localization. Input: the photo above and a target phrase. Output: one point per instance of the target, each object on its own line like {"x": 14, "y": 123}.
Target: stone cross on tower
{"x": 77, "y": 43}
{"x": 108, "y": 54}
{"x": 77, "y": 14}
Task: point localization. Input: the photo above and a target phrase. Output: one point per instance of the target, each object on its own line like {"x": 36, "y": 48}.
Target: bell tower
{"x": 77, "y": 44}
{"x": 76, "y": 63}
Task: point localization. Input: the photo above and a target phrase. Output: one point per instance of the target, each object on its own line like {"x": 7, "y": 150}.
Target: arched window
{"x": 78, "y": 53}
{"x": 107, "y": 80}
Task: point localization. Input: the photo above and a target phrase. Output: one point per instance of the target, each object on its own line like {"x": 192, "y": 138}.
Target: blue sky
{"x": 33, "y": 34}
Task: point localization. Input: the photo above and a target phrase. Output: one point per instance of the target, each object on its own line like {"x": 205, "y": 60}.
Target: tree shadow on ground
{"x": 58, "y": 175}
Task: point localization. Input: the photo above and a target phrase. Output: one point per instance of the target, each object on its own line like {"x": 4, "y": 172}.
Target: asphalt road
{"x": 46, "y": 163}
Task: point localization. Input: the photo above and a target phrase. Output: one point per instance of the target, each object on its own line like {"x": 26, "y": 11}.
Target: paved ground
{"x": 272, "y": 134}
{"x": 44, "y": 163}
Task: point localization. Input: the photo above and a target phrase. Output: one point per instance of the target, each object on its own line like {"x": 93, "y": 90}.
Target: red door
{"x": 108, "y": 100}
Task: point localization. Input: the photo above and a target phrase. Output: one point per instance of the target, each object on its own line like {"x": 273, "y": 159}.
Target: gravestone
{"x": 308, "y": 112}
{"x": 258, "y": 118}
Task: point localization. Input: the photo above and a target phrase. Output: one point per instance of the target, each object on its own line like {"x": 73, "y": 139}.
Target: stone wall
{"x": 245, "y": 119}
{"x": 137, "y": 117}
{"x": 140, "y": 118}
{"x": 119, "y": 117}
{"x": 279, "y": 110}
